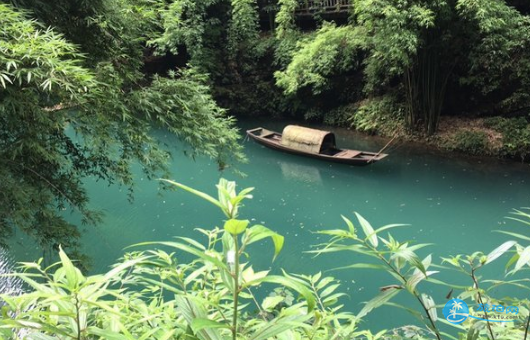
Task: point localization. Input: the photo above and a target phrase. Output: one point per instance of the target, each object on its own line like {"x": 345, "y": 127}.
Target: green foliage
{"x": 331, "y": 51}
{"x": 187, "y": 23}
{"x": 103, "y": 30}
{"x": 243, "y": 27}
{"x": 39, "y": 69}
{"x": 156, "y": 294}
{"x": 515, "y": 135}
{"x": 416, "y": 50}
{"x": 407, "y": 40}
{"x": 499, "y": 59}
{"x": 62, "y": 122}
{"x": 383, "y": 115}
{"x": 469, "y": 141}
{"x": 184, "y": 106}
{"x": 392, "y": 35}
{"x": 393, "y": 42}
{"x": 410, "y": 272}
{"x": 184, "y": 25}
{"x": 285, "y": 24}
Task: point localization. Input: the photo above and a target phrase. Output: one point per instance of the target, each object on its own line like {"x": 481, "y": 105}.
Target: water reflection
{"x": 300, "y": 172}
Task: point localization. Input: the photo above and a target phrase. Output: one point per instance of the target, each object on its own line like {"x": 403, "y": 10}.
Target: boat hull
{"x": 361, "y": 158}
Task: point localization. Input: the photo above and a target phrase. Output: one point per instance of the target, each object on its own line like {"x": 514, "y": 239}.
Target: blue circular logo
{"x": 456, "y": 311}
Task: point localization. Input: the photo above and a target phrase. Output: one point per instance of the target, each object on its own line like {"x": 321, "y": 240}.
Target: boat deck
{"x": 347, "y": 153}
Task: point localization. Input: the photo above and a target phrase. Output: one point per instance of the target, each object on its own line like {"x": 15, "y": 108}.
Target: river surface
{"x": 452, "y": 201}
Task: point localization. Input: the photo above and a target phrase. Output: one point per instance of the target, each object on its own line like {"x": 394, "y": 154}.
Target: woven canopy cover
{"x": 306, "y": 139}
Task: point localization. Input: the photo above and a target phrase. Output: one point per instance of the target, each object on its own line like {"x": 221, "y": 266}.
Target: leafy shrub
{"x": 153, "y": 295}
{"x": 339, "y": 116}
{"x": 333, "y": 50}
{"x": 381, "y": 114}
{"x": 515, "y": 135}
{"x": 472, "y": 142}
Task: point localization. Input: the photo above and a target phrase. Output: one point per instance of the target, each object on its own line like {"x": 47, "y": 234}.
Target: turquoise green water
{"x": 451, "y": 201}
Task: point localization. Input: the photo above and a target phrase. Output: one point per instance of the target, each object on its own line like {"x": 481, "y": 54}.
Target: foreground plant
{"x": 155, "y": 294}
{"x": 190, "y": 290}
{"x": 398, "y": 259}
{"x": 408, "y": 270}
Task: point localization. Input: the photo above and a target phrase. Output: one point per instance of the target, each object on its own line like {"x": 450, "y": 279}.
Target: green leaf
{"x": 524, "y": 257}
{"x": 408, "y": 255}
{"x": 192, "y": 308}
{"x": 195, "y": 192}
{"x": 389, "y": 226}
{"x": 191, "y": 250}
{"x": 259, "y": 232}
{"x": 511, "y": 261}
{"x": 270, "y": 302}
{"x": 73, "y": 275}
{"x": 519, "y": 236}
{"x": 378, "y": 301}
{"x": 201, "y": 323}
{"x": 416, "y": 278}
{"x": 368, "y": 230}
{"x": 236, "y": 227}
{"x": 364, "y": 266}
{"x": 429, "y": 304}
{"x": 329, "y": 290}
{"x": 106, "y": 334}
{"x": 499, "y": 251}
{"x": 122, "y": 266}
{"x": 350, "y": 225}
{"x": 324, "y": 282}
{"x": 271, "y": 329}
{"x": 289, "y": 282}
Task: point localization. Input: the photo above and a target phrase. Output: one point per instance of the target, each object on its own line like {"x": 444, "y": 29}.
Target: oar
{"x": 384, "y": 147}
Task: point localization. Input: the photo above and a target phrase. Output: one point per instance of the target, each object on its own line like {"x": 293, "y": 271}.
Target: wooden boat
{"x": 313, "y": 143}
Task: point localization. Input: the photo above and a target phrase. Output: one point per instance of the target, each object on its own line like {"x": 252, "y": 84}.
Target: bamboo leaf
{"x": 329, "y": 290}
{"x": 195, "y": 192}
{"x": 122, "y": 266}
{"x": 350, "y": 225}
{"x": 364, "y": 266}
{"x": 408, "y": 255}
{"x": 324, "y": 282}
{"x": 279, "y": 325}
{"x": 429, "y": 304}
{"x": 378, "y": 301}
{"x": 368, "y": 230}
{"x": 524, "y": 257}
{"x": 106, "y": 334}
{"x": 389, "y": 226}
{"x": 73, "y": 275}
{"x": 201, "y": 323}
{"x": 511, "y": 261}
{"x": 192, "y": 309}
{"x": 516, "y": 235}
{"x": 499, "y": 251}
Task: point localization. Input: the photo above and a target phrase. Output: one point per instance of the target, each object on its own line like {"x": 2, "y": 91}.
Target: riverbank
{"x": 493, "y": 136}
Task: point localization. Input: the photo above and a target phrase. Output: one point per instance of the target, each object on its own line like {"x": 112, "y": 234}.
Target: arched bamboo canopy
{"x": 306, "y": 139}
